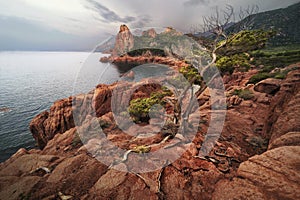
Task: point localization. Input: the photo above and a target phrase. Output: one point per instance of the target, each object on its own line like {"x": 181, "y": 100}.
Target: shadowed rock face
{"x": 58, "y": 120}
{"x": 269, "y": 86}
{"x": 248, "y": 167}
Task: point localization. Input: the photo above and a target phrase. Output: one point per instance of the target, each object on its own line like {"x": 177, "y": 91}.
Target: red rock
{"x": 58, "y": 120}
{"x": 269, "y": 86}
{"x": 283, "y": 115}
{"x": 272, "y": 175}
{"x": 256, "y": 170}
{"x": 105, "y": 59}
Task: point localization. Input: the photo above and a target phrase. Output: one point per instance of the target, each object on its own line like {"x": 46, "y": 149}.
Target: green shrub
{"x": 244, "y": 41}
{"x": 280, "y": 76}
{"x": 139, "y": 108}
{"x": 153, "y": 51}
{"x": 227, "y": 64}
{"x": 244, "y": 94}
{"x": 267, "y": 69}
{"x": 259, "y": 77}
{"x": 190, "y": 72}
{"x": 275, "y": 57}
{"x": 262, "y": 76}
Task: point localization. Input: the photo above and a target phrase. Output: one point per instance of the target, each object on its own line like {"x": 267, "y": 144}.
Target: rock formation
{"x": 269, "y": 86}
{"x": 150, "y": 33}
{"x": 124, "y": 41}
{"x": 47, "y": 124}
{"x": 274, "y": 174}
{"x": 256, "y": 156}
{"x": 171, "y": 30}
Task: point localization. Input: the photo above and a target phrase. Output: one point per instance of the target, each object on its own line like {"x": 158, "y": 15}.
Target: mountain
{"x": 106, "y": 46}
{"x": 284, "y": 21}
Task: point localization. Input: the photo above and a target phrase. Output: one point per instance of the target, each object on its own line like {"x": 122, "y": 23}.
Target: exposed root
{"x": 139, "y": 149}
{"x": 158, "y": 181}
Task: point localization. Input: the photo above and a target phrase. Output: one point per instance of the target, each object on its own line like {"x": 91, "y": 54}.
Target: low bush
{"x": 263, "y": 75}
{"x": 227, "y": 64}
{"x": 189, "y": 73}
{"x": 139, "y": 108}
{"x": 244, "y": 94}
{"x": 259, "y": 77}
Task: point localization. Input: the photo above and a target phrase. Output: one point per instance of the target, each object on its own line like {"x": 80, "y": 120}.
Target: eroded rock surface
{"x": 255, "y": 157}
{"x": 269, "y": 86}
{"x": 274, "y": 174}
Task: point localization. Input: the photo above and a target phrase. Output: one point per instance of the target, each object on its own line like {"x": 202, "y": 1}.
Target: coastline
{"x": 30, "y": 83}
{"x": 62, "y": 148}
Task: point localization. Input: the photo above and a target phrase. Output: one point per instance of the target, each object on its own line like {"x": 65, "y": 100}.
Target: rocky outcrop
{"x": 150, "y": 33}
{"x": 4, "y": 109}
{"x": 124, "y": 41}
{"x": 269, "y": 86}
{"x": 283, "y": 115}
{"x": 241, "y": 165}
{"x": 172, "y": 31}
{"x": 60, "y": 117}
{"x": 139, "y": 60}
{"x": 274, "y": 174}
{"x": 57, "y": 120}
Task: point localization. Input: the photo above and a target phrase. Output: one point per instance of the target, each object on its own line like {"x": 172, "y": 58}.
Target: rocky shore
{"x": 256, "y": 156}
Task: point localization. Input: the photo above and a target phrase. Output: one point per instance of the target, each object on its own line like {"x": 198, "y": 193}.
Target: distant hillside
{"x": 284, "y": 21}
{"x": 106, "y": 46}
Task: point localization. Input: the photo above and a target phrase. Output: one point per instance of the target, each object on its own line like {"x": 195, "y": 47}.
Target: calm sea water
{"x": 31, "y": 81}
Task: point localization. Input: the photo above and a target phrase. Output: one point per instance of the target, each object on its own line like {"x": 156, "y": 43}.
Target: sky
{"x": 82, "y": 24}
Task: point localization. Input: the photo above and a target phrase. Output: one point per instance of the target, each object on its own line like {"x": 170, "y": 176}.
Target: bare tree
{"x": 218, "y": 22}
{"x": 246, "y": 17}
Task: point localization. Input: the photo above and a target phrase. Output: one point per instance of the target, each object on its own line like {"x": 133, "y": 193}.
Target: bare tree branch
{"x": 246, "y": 17}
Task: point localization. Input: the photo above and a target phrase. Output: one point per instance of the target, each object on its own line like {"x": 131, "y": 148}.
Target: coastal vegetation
{"x": 245, "y": 94}
{"x": 139, "y": 108}
{"x": 191, "y": 74}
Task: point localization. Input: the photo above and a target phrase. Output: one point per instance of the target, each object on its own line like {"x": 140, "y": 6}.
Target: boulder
{"x": 272, "y": 175}
{"x": 269, "y": 86}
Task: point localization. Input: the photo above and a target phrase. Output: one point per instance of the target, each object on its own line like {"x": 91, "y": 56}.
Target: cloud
{"x": 142, "y": 21}
{"x": 22, "y": 34}
{"x": 107, "y": 14}
{"x": 195, "y": 2}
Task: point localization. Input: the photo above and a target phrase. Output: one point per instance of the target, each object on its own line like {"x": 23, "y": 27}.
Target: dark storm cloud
{"x": 107, "y": 14}
{"x": 196, "y": 2}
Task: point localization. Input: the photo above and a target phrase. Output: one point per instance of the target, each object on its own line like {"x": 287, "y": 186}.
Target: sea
{"x": 30, "y": 82}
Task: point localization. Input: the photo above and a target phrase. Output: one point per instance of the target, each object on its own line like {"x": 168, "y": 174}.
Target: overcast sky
{"x": 81, "y": 24}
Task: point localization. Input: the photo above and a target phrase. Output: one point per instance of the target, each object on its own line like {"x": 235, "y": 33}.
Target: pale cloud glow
{"x": 93, "y": 18}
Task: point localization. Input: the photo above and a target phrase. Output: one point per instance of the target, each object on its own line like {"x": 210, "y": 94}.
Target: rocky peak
{"x": 123, "y": 28}
{"x": 171, "y": 30}
{"x": 124, "y": 41}
{"x": 150, "y": 33}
